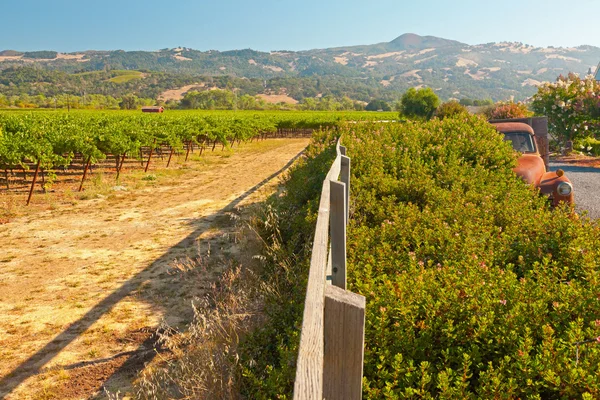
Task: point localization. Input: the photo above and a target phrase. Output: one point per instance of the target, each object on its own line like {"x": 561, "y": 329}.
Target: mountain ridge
{"x": 453, "y": 69}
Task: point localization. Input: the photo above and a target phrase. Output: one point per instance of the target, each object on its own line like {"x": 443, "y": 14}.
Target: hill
{"x": 453, "y": 69}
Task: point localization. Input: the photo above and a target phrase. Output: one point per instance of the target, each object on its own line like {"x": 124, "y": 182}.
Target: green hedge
{"x": 589, "y": 146}
{"x": 475, "y": 288}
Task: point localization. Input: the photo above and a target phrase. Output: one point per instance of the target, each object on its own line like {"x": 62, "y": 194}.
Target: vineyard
{"x": 51, "y": 143}
{"x": 84, "y": 284}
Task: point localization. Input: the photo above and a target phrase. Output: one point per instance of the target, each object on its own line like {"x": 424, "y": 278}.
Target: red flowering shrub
{"x": 508, "y": 110}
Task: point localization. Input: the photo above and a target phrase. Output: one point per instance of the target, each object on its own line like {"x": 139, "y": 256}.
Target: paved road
{"x": 586, "y": 184}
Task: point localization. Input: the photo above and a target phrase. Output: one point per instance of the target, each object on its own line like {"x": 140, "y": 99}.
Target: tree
{"x": 571, "y": 105}
{"x": 128, "y": 102}
{"x": 419, "y": 104}
{"x": 209, "y": 100}
{"x": 377, "y": 105}
{"x": 450, "y": 109}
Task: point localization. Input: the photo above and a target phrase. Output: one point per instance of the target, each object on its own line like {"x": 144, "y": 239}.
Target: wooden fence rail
{"x": 331, "y": 351}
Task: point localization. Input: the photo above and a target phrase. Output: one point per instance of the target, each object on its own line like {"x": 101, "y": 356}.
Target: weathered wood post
{"x": 345, "y": 177}
{"x": 337, "y": 226}
{"x": 344, "y": 331}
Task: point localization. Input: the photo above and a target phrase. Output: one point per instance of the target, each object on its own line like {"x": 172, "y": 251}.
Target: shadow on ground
{"x": 575, "y": 168}
{"x": 133, "y": 360}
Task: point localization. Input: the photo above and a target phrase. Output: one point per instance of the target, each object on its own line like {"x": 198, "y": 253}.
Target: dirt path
{"x": 82, "y": 285}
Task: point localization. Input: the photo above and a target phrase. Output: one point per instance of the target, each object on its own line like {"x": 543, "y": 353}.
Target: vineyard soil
{"x": 84, "y": 284}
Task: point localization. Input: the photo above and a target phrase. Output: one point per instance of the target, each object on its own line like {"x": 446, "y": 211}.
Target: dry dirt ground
{"x": 84, "y": 284}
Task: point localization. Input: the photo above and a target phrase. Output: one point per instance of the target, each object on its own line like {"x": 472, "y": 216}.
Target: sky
{"x": 268, "y": 25}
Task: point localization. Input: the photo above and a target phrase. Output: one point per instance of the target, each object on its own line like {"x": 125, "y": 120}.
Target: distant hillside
{"x": 453, "y": 69}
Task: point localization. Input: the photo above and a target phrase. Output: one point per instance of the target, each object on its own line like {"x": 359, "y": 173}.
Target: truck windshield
{"x": 521, "y": 141}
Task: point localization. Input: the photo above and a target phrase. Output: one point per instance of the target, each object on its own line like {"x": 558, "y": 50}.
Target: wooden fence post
{"x": 37, "y": 169}
{"x": 344, "y": 335}
{"x": 337, "y": 225}
{"x": 345, "y": 177}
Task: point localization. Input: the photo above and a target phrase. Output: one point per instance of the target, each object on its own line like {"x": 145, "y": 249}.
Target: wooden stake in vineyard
{"x": 85, "y": 170}
{"x": 43, "y": 184}
{"x": 170, "y": 155}
{"x": 187, "y": 154}
{"x": 37, "y": 168}
{"x": 120, "y": 165}
{"x": 150, "y": 156}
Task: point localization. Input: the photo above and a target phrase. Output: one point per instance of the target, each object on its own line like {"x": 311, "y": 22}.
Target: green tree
{"x": 419, "y": 104}
{"x": 128, "y": 102}
{"x": 209, "y": 100}
{"x": 450, "y": 109}
{"x": 376, "y": 105}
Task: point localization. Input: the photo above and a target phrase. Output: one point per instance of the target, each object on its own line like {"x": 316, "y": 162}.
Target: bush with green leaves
{"x": 450, "y": 109}
{"x": 588, "y": 146}
{"x": 475, "y": 287}
{"x": 378, "y": 105}
{"x": 419, "y": 103}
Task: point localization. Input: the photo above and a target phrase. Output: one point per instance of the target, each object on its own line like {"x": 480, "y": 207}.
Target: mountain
{"x": 410, "y": 41}
{"x": 384, "y": 70}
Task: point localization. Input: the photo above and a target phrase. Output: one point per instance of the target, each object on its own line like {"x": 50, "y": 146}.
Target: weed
{"x": 149, "y": 177}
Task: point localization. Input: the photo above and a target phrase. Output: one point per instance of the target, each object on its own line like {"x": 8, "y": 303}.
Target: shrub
{"x": 507, "y": 110}
{"x": 475, "y": 288}
{"x": 450, "y": 109}
{"x": 588, "y": 146}
{"x": 376, "y": 105}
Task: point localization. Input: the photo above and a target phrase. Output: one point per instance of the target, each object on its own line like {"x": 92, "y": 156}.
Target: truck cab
{"x": 532, "y": 167}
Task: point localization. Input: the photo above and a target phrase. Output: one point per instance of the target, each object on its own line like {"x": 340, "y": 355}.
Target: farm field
{"x": 85, "y": 283}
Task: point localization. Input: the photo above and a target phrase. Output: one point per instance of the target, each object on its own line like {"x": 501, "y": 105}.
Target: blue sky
{"x": 67, "y": 26}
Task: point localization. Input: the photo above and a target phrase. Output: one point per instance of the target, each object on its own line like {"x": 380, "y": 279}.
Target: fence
{"x": 331, "y": 351}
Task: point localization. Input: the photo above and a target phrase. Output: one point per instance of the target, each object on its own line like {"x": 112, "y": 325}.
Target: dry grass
{"x": 204, "y": 361}
{"x": 143, "y": 245}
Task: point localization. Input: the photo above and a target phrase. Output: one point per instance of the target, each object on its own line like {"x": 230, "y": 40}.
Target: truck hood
{"x": 530, "y": 168}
